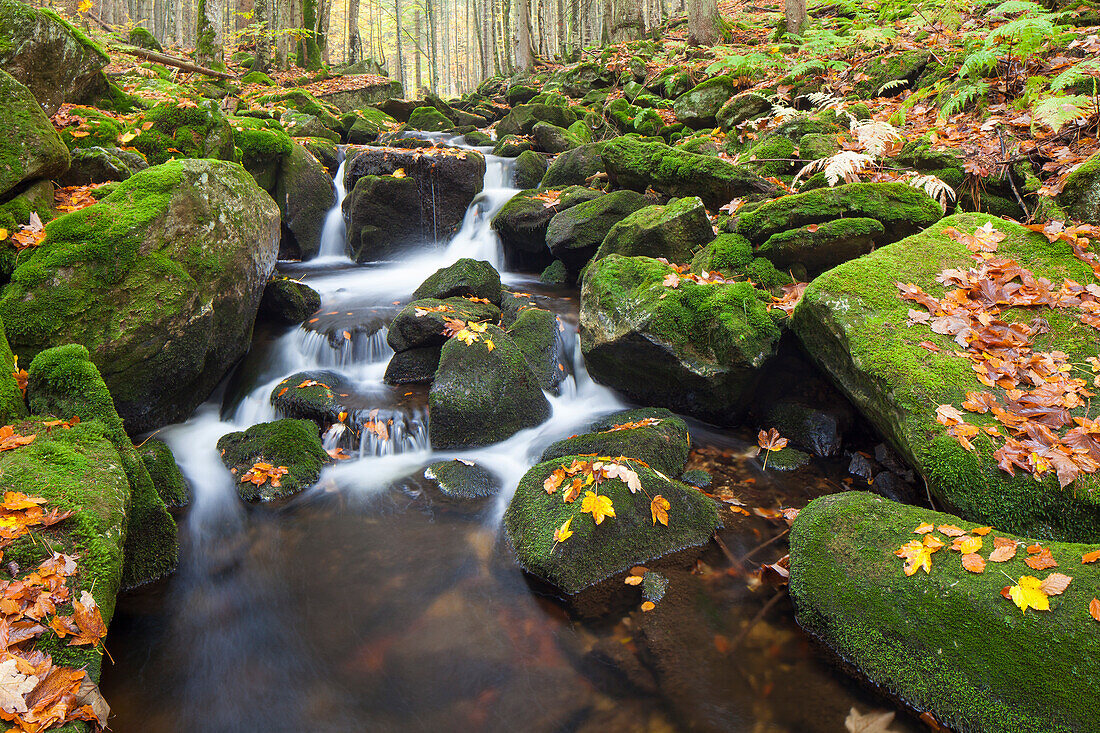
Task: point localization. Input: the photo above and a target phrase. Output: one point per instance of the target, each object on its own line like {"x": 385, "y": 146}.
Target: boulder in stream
{"x": 422, "y": 322}
{"x": 288, "y": 444}
{"x": 467, "y": 277}
{"x": 675, "y": 231}
{"x": 288, "y": 302}
{"x": 575, "y": 234}
{"x": 653, "y": 435}
{"x": 522, "y": 223}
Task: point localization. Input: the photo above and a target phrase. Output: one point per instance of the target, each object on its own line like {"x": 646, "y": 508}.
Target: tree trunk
{"x": 795, "y": 12}
{"x": 208, "y": 33}
{"x": 622, "y": 21}
{"x": 261, "y": 17}
{"x": 703, "y": 22}
{"x": 417, "y": 80}
{"x": 400, "y": 56}
{"x": 282, "y": 40}
{"x": 355, "y": 43}
{"x": 525, "y": 54}
{"x": 324, "y": 21}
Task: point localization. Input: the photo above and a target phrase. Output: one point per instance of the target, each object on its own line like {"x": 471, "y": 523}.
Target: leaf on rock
{"x": 771, "y": 440}
{"x": 1094, "y": 609}
{"x": 658, "y": 509}
{"x": 562, "y": 533}
{"x": 14, "y": 686}
{"x": 1090, "y": 556}
{"x": 599, "y": 506}
{"x": 1055, "y": 584}
{"x": 1028, "y": 593}
{"x": 974, "y": 563}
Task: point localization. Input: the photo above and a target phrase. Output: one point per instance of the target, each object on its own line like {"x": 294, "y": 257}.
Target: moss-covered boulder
{"x": 463, "y": 480}
{"x": 413, "y": 366}
{"x": 475, "y": 278}
{"x": 537, "y": 333}
{"x": 29, "y": 146}
{"x": 553, "y": 139}
{"x": 521, "y": 120}
{"x": 818, "y": 247}
{"x": 523, "y": 221}
{"x": 901, "y": 209}
{"x": 519, "y": 94}
{"x": 946, "y": 641}
{"x": 185, "y": 131}
{"x": 142, "y": 38}
{"x": 741, "y": 108}
{"x": 529, "y": 169}
{"x": 429, "y": 119}
{"x": 287, "y": 302}
{"x": 574, "y": 167}
{"x": 49, "y": 55}
{"x": 290, "y": 444}
{"x": 264, "y": 145}
{"x": 595, "y": 552}
{"x": 299, "y": 124}
{"x": 578, "y": 80}
{"x": 853, "y": 323}
{"x": 304, "y": 193}
{"x": 101, "y": 165}
{"x": 674, "y": 231}
{"x": 512, "y": 146}
{"x": 482, "y": 396}
{"x": 695, "y": 348}
{"x": 311, "y": 395}
{"x": 421, "y": 322}
{"x": 305, "y": 103}
{"x": 160, "y": 280}
{"x": 636, "y": 164}
{"x": 652, "y": 435}
{"x": 698, "y": 107}
{"x": 575, "y": 234}
{"x": 1080, "y": 195}
{"x": 63, "y": 381}
{"x": 890, "y": 76}
{"x": 165, "y": 474}
{"x": 388, "y": 214}
{"x": 12, "y": 404}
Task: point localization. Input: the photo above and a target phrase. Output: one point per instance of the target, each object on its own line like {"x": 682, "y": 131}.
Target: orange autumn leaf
{"x": 1042, "y": 560}
{"x": 658, "y": 509}
{"x": 1090, "y": 556}
{"x": 951, "y": 530}
{"x": 771, "y": 440}
{"x": 981, "y": 531}
{"x": 1094, "y": 609}
{"x": 261, "y": 473}
{"x": 923, "y": 528}
{"x": 974, "y": 563}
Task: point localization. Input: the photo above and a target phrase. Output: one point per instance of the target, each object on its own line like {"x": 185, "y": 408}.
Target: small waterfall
{"x": 334, "y": 231}
{"x": 476, "y": 238}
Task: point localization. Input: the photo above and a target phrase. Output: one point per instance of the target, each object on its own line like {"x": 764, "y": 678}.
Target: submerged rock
{"x": 416, "y": 365}
{"x": 290, "y": 444}
{"x": 459, "y": 479}
{"x": 696, "y": 348}
{"x": 653, "y": 435}
{"x": 945, "y": 641}
{"x": 482, "y": 396}
{"x": 161, "y": 281}
{"x": 31, "y": 147}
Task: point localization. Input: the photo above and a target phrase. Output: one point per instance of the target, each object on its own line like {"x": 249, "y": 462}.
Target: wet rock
{"x": 556, "y": 273}
{"x": 50, "y": 56}
{"x": 512, "y": 146}
{"x": 853, "y": 324}
{"x": 459, "y": 479}
{"x": 312, "y": 395}
{"x": 675, "y": 231}
{"x": 166, "y": 476}
{"x": 387, "y": 214}
{"x": 409, "y": 330}
{"x": 480, "y": 397}
{"x": 163, "y": 316}
{"x": 553, "y": 139}
{"x": 901, "y": 209}
{"x": 634, "y": 164}
{"x": 32, "y": 149}
{"x": 290, "y": 444}
{"x": 596, "y": 552}
{"x": 973, "y": 648}
{"x": 475, "y": 278}
{"x": 413, "y": 366}
{"x": 818, "y": 429}
{"x": 787, "y": 459}
{"x": 529, "y": 170}
{"x": 521, "y": 120}
{"x": 819, "y": 247}
{"x": 523, "y": 221}
{"x": 537, "y": 333}
{"x": 100, "y": 165}
{"x": 742, "y": 108}
{"x": 430, "y": 119}
{"x": 574, "y": 167}
{"x": 664, "y": 444}
{"x": 696, "y": 349}
{"x": 323, "y": 150}
{"x": 698, "y": 107}
{"x": 889, "y": 77}
{"x": 304, "y": 193}
{"x": 288, "y": 302}
{"x": 575, "y": 234}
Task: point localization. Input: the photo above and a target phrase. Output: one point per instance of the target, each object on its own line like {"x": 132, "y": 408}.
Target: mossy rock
{"x": 901, "y": 209}
{"x": 142, "y": 38}
{"x": 12, "y": 404}
{"x": 574, "y": 167}
{"x": 197, "y": 131}
{"x": 290, "y": 444}
{"x": 1080, "y": 195}
{"x": 537, "y": 333}
{"x": 95, "y": 129}
{"x": 852, "y": 321}
{"x": 29, "y": 146}
{"x": 75, "y": 470}
{"x": 523, "y": 221}
{"x": 429, "y": 119}
{"x": 519, "y": 94}
{"x": 409, "y": 330}
{"x": 302, "y": 101}
{"x": 287, "y": 302}
{"x": 481, "y": 396}
{"x": 163, "y": 313}
{"x": 477, "y": 138}
{"x": 413, "y": 366}
{"x": 698, "y": 107}
{"x": 741, "y": 108}
{"x": 463, "y": 480}
{"x": 63, "y": 381}
{"x": 475, "y": 278}
{"x": 817, "y": 145}
{"x": 596, "y": 552}
{"x": 695, "y": 349}
{"x": 819, "y": 247}
{"x": 263, "y": 145}
{"x": 637, "y": 165}
{"x": 553, "y": 139}
{"x": 556, "y": 273}
{"x": 787, "y": 459}
{"x": 575, "y": 234}
{"x": 529, "y": 170}
{"x": 578, "y": 80}
{"x": 946, "y": 641}
{"x": 311, "y": 395}
{"x": 305, "y": 193}
{"x": 892, "y": 75}
{"x": 664, "y": 445}
{"x": 674, "y": 231}
{"x": 258, "y": 77}
{"x": 512, "y": 146}
{"x": 166, "y": 476}
{"x": 322, "y": 149}
{"x": 100, "y": 165}
{"x": 299, "y": 124}
{"x": 772, "y": 156}
{"x": 727, "y": 253}
{"x": 521, "y": 120}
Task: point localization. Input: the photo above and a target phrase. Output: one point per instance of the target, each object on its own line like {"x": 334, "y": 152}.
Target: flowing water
{"x": 372, "y": 603}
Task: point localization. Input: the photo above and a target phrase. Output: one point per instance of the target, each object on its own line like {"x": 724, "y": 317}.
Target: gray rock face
{"x": 304, "y": 193}
{"x": 161, "y": 282}
{"x": 99, "y": 165}
{"x": 575, "y": 234}
{"x": 30, "y": 148}
{"x": 49, "y": 56}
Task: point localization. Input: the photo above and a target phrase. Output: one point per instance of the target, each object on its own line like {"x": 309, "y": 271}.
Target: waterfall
{"x": 334, "y": 231}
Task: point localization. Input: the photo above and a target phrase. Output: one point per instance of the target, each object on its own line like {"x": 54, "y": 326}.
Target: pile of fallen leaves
{"x": 261, "y": 473}
{"x": 36, "y": 694}
{"x": 1028, "y": 592}
{"x": 467, "y": 332}
{"x": 1040, "y": 388}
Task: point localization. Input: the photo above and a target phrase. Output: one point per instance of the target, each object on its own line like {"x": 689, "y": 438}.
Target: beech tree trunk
{"x": 355, "y": 43}
{"x": 262, "y": 18}
{"x": 208, "y": 33}
{"x": 704, "y": 23}
{"x": 525, "y": 52}
{"x": 795, "y": 12}
{"x": 622, "y": 21}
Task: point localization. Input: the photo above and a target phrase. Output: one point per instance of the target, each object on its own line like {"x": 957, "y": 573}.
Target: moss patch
{"x": 292, "y": 444}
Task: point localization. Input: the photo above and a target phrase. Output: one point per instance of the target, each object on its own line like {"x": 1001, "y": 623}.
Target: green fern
{"x": 1076, "y": 74}
{"x": 1057, "y": 112}
{"x": 737, "y": 65}
{"x": 964, "y": 95}
{"x": 802, "y": 68}
{"x": 978, "y": 64}
{"x": 1014, "y": 7}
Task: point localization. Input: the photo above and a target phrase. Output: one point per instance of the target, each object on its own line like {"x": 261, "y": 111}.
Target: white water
{"x": 334, "y": 231}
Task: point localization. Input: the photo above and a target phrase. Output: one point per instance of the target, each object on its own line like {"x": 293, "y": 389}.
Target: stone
{"x": 529, "y": 170}
{"x": 574, "y": 167}
{"x": 674, "y": 231}
{"x": 290, "y": 444}
{"x": 663, "y": 444}
{"x": 409, "y": 330}
{"x": 30, "y": 148}
{"x": 166, "y": 476}
{"x": 466, "y": 277}
{"x": 819, "y": 247}
{"x": 574, "y": 235}
{"x": 741, "y": 108}
{"x": 288, "y": 302}
{"x": 698, "y": 107}
{"x": 429, "y": 119}
{"x": 523, "y": 221}
{"x": 100, "y": 165}
{"x": 304, "y": 192}
{"x": 537, "y": 333}
{"x": 416, "y": 365}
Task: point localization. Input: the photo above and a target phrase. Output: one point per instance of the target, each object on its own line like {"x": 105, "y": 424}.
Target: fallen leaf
{"x": 562, "y": 533}
{"x": 648, "y": 606}
{"x": 876, "y": 721}
{"x": 13, "y": 687}
{"x": 974, "y": 563}
{"x": 599, "y": 506}
{"x": 633, "y": 580}
{"x": 1094, "y": 609}
{"x": 658, "y": 509}
{"x": 1028, "y": 593}
{"x": 1055, "y": 584}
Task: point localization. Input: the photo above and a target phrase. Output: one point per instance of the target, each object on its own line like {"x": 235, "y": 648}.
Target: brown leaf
{"x": 1055, "y": 584}
{"x": 973, "y": 562}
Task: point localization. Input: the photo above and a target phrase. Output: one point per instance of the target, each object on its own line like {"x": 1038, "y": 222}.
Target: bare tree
{"x": 622, "y": 21}
{"x": 795, "y": 12}
{"x": 208, "y": 32}
{"x": 261, "y": 16}
{"x": 525, "y": 52}
{"x": 704, "y": 23}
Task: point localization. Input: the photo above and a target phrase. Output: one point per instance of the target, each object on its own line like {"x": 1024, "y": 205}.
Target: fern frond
{"x": 934, "y": 187}
{"x": 1057, "y": 112}
{"x": 823, "y": 100}
{"x": 1013, "y": 7}
{"x": 875, "y": 136}
{"x": 806, "y": 67}
{"x": 844, "y": 166}
{"x": 1088, "y": 69}
{"x": 891, "y": 86}
{"x": 978, "y": 63}
{"x": 963, "y": 96}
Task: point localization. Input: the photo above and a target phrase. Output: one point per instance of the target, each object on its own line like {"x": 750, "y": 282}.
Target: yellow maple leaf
{"x": 658, "y": 509}
{"x": 489, "y": 344}
{"x": 85, "y": 6}
{"x": 399, "y": 173}
{"x": 477, "y": 327}
{"x": 917, "y": 555}
{"x": 598, "y": 506}
{"x": 1029, "y": 594}
{"x": 562, "y": 533}
{"x": 466, "y": 336}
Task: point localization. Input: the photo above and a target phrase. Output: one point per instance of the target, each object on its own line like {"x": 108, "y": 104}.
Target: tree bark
{"x": 355, "y": 43}
{"x": 262, "y": 18}
{"x": 525, "y": 53}
{"x": 622, "y": 21}
{"x": 704, "y": 23}
{"x": 795, "y": 12}
{"x": 397, "y": 41}
{"x": 208, "y": 33}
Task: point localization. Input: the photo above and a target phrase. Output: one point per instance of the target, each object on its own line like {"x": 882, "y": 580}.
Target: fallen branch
{"x": 166, "y": 60}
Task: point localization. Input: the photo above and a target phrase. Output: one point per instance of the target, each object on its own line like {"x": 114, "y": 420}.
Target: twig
{"x": 756, "y": 549}
{"x": 99, "y": 22}
{"x": 729, "y": 555}
{"x": 1008, "y": 172}
{"x": 756, "y": 619}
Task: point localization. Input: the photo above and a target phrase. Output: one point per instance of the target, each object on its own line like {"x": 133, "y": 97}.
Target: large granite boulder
{"x": 30, "y": 148}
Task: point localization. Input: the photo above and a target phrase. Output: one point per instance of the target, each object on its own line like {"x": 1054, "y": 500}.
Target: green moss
{"x": 201, "y": 131}
{"x": 102, "y": 131}
{"x": 765, "y": 275}
{"x": 460, "y": 479}
{"x": 1080, "y": 195}
{"x": 476, "y": 278}
{"x": 291, "y": 444}
{"x": 945, "y": 641}
{"x": 819, "y": 247}
{"x": 304, "y": 102}
{"x": 768, "y": 151}
{"x": 263, "y": 144}
{"x": 258, "y": 77}
{"x": 727, "y": 253}
{"x": 12, "y": 405}
{"x": 165, "y": 474}
{"x": 596, "y": 552}
{"x": 64, "y": 382}
{"x": 664, "y": 445}
{"x": 429, "y": 118}
{"x": 675, "y": 231}
{"x": 853, "y": 323}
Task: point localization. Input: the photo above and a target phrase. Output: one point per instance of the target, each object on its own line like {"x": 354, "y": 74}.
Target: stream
{"x": 369, "y": 602}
